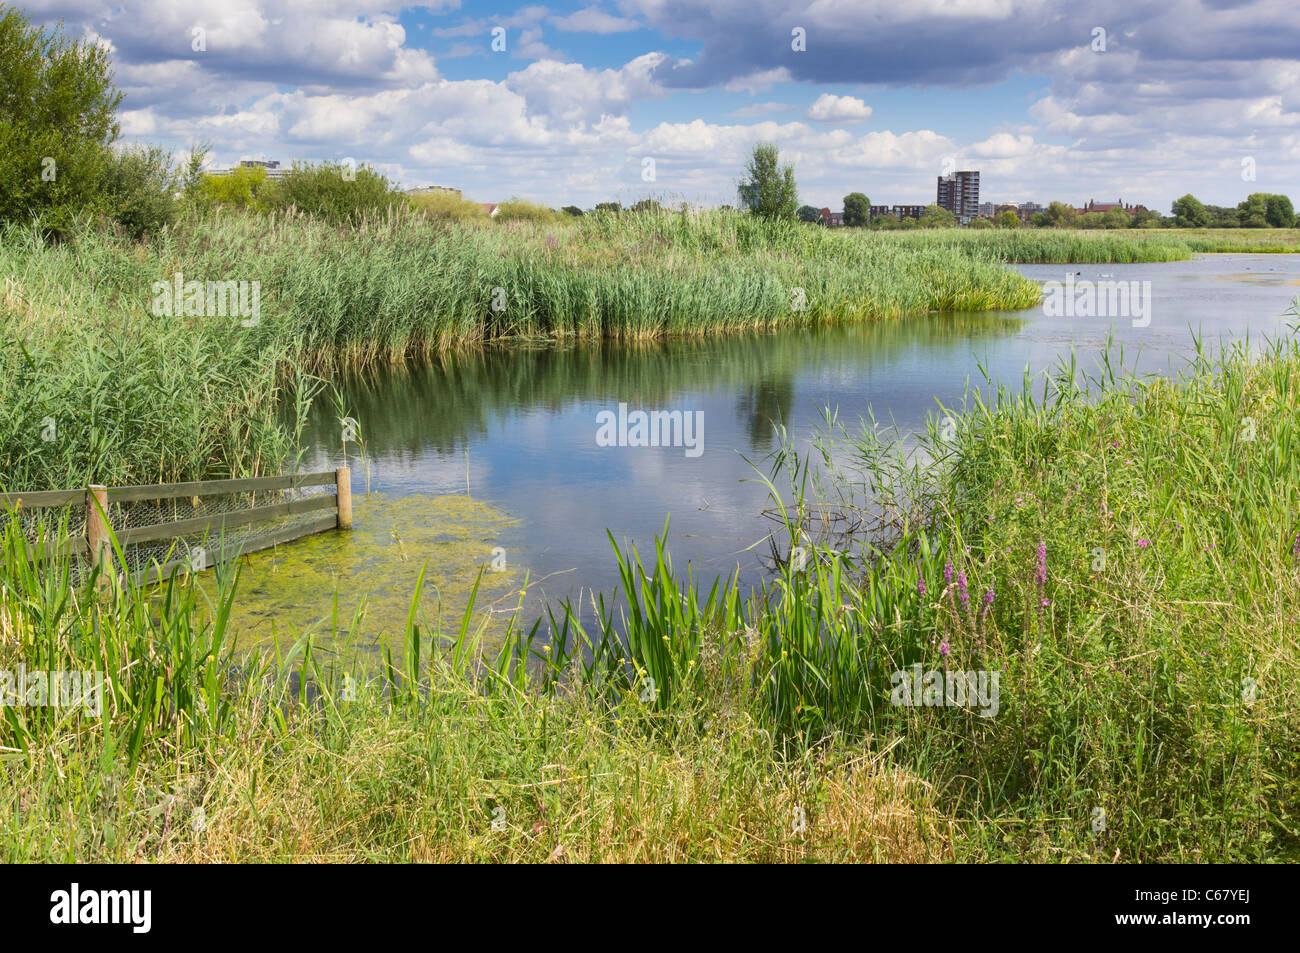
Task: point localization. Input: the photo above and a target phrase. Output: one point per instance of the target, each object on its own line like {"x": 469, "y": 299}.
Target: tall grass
{"x": 139, "y": 398}
{"x": 196, "y": 396}
{"x": 1120, "y": 246}
{"x": 1140, "y": 539}
{"x": 1151, "y": 672}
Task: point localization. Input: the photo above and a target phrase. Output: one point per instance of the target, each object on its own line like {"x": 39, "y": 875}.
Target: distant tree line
{"x": 768, "y": 190}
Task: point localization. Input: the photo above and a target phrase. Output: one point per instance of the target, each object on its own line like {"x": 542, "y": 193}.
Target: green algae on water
{"x": 291, "y": 588}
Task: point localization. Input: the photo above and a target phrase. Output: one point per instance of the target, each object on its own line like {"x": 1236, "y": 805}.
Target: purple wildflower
{"x": 920, "y": 586}
{"x": 1143, "y": 543}
{"x": 947, "y": 573}
{"x": 1040, "y": 573}
{"x": 962, "y": 592}
{"x": 943, "y": 647}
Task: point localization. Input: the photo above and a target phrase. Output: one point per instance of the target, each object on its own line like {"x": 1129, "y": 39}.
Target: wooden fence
{"x": 335, "y": 511}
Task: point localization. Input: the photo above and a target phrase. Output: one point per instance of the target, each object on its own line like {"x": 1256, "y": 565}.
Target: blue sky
{"x": 1108, "y": 99}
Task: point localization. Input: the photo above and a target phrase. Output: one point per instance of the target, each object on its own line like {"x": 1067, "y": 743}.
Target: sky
{"x": 579, "y": 103}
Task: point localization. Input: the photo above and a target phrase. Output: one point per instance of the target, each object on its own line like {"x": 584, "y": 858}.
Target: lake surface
{"x": 517, "y": 429}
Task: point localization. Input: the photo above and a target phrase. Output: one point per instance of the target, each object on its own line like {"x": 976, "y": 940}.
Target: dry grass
{"x": 419, "y": 788}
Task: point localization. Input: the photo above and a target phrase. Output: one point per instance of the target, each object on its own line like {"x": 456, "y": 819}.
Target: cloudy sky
{"x": 584, "y": 102}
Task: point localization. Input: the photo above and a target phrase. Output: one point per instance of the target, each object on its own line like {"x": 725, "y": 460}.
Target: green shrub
{"x": 140, "y": 189}
{"x": 241, "y": 187}
{"x": 335, "y": 192}
{"x": 448, "y": 207}
{"x": 521, "y": 210}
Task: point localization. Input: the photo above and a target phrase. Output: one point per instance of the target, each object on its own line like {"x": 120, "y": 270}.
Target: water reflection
{"x": 516, "y": 427}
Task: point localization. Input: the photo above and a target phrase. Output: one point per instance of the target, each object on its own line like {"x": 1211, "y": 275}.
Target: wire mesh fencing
{"x": 192, "y": 527}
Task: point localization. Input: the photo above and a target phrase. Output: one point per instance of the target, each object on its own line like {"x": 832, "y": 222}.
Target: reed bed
{"x": 1120, "y": 246}
{"x": 137, "y": 397}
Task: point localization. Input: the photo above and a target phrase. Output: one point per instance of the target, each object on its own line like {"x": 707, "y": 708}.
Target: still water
{"x": 516, "y": 430}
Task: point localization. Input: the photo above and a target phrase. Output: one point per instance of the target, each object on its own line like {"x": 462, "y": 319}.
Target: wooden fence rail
{"x": 335, "y": 513}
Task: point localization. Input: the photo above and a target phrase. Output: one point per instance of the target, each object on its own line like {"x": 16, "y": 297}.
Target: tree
{"x": 1006, "y": 219}
{"x": 57, "y": 121}
{"x": 1189, "y": 212}
{"x": 191, "y": 174}
{"x": 768, "y": 189}
{"x": 1220, "y": 216}
{"x": 1060, "y": 215}
{"x": 1265, "y": 210}
{"x": 1116, "y": 218}
{"x": 1280, "y": 214}
{"x": 614, "y": 207}
{"x": 980, "y": 223}
{"x": 935, "y": 216}
{"x": 857, "y": 209}
{"x": 572, "y": 210}
{"x": 1254, "y": 210}
{"x": 1146, "y": 218}
{"x": 1039, "y": 220}
{"x": 647, "y": 205}
{"x": 809, "y": 214}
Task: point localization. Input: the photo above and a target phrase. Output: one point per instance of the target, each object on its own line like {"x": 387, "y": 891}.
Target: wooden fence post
{"x": 343, "y": 477}
{"x": 96, "y": 524}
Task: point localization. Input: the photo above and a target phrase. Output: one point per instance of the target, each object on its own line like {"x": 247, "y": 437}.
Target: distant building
{"x": 959, "y": 193}
{"x": 272, "y": 167}
{"x": 831, "y": 219}
{"x": 491, "y": 208}
{"x": 899, "y": 212}
{"x": 1024, "y": 210}
{"x": 1107, "y": 206}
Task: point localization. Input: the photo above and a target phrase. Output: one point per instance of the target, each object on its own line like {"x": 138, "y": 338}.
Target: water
{"x": 517, "y": 428}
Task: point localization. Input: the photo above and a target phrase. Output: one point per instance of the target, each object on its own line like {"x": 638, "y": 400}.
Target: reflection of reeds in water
{"x": 457, "y": 394}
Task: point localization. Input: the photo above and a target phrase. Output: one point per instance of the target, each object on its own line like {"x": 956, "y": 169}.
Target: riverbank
{"x": 1045, "y": 246}
{"x": 200, "y": 396}
{"x": 1126, "y": 564}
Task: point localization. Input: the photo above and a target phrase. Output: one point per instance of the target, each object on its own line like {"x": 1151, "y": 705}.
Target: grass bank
{"x": 1118, "y": 246}
{"x": 1127, "y": 563}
